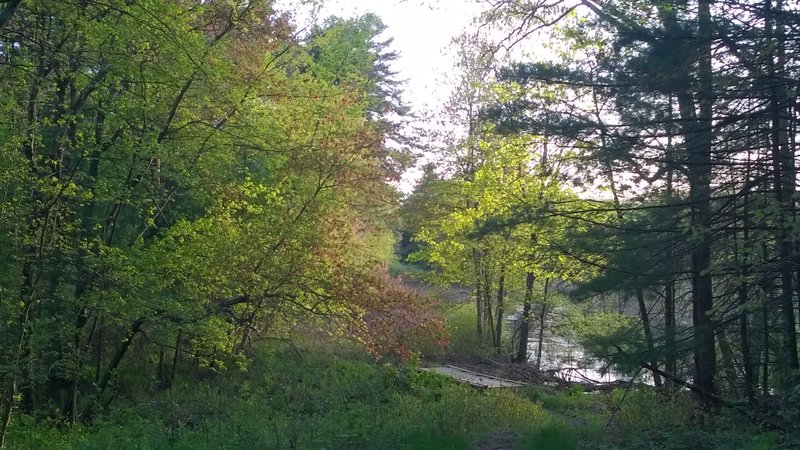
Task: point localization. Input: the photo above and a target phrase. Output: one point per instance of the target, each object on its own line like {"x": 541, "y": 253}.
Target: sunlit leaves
{"x": 192, "y": 172}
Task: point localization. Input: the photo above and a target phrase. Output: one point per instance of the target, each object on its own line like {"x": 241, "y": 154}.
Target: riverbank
{"x": 311, "y": 400}
{"x": 323, "y": 400}
{"x": 329, "y": 395}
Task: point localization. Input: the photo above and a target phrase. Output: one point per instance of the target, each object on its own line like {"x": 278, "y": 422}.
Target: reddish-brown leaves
{"x": 386, "y": 317}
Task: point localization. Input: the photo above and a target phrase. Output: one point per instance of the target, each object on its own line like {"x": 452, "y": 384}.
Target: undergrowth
{"x": 316, "y": 401}
{"x": 333, "y": 398}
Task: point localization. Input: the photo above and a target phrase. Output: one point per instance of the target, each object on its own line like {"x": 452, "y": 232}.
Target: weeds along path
{"x": 497, "y": 440}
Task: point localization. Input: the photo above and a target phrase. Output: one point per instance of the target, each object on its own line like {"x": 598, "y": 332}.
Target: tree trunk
{"x": 744, "y": 339}
{"x": 726, "y": 354}
{"x": 696, "y": 129}
{"x": 765, "y": 328}
{"x": 648, "y": 334}
{"x": 488, "y": 313}
{"x": 476, "y": 258}
{"x": 7, "y": 406}
{"x": 742, "y": 293}
{"x": 699, "y": 143}
{"x": 525, "y": 323}
{"x": 175, "y": 358}
{"x": 783, "y": 184}
{"x": 542, "y": 317}
{"x": 500, "y": 308}
{"x": 669, "y": 327}
{"x": 116, "y": 358}
{"x": 84, "y": 277}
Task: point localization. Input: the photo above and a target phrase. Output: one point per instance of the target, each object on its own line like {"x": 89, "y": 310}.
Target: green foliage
{"x": 319, "y": 400}
{"x": 649, "y": 418}
{"x": 188, "y": 178}
{"x": 602, "y": 334}
{"x": 404, "y": 269}
{"x": 460, "y": 323}
{"x": 554, "y": 435}
{"x": 678, "y": 410}
{"x": 559, "y": 401}
{"x": 311, "y": 401}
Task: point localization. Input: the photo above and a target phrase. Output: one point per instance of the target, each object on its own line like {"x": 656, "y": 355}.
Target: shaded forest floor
{"x": 331, "y": 396}
{"x": 323, "y": 399}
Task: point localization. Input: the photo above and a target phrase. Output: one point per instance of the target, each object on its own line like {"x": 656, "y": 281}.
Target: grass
{"x": 398, "y": 267}
{"x": 325, "y": 401}
{"x": 284, "y": 401}
{"x": 553, "y": 435}
{"x": 464, "y": 341}
{"x": 330, "y": 397}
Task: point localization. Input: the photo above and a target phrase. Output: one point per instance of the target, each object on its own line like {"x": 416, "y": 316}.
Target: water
{"x": 567, "y": 359}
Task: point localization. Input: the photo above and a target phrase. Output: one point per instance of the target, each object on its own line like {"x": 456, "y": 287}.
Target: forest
{"x": 212, "y": 235}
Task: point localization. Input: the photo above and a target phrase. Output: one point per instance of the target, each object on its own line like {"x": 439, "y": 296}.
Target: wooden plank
{"x": 474, "y": 378}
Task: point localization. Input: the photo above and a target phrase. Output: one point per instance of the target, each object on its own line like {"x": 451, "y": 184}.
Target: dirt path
{"x": 498, "y": 440}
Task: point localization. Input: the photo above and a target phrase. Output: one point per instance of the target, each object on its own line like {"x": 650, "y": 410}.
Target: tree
{"x": 686, "y": 104}
{"x": 190, "y": 177}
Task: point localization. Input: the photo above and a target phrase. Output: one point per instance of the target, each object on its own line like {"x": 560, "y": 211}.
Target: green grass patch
{"x": 323, "y": 401}
{"x": 574, "y": 399}
{"x": 553, "y": 435}
{"x": 460, "y": 323}
{"x": 318, "y": 401}
{"x": 397, "y": 268}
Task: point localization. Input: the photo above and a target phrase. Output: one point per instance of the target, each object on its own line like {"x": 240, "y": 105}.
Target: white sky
{"x": 422, "y": 31}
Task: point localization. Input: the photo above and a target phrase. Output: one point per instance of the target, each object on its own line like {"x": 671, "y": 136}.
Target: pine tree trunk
{"x": 699, "y": 145}
{"x": 783, "y": 184}
{"x": 742, "y": 292}
{"x": 765, "y": 360}
{"x": 726, "y": 355}
{"x": 648, "y": 334}
{"x": 669, "y": 327}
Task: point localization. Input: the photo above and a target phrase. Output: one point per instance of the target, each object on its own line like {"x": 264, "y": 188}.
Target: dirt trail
{"x": 498, "y": 440}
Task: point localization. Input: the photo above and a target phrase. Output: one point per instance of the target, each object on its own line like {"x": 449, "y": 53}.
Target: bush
{"x": 284, "y": 401}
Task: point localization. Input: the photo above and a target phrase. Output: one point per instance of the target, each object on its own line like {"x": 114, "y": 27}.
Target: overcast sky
{"x": 422, "y": 29}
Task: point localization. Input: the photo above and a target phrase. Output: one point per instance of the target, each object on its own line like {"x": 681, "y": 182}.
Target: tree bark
{"x": 765, "y": 330}
{"x": 476, "y": 258}
{"x": 5, "y": 414}
{"x": 175, "y": 358}
{"x": 542, "y": 317}
{"x": 783, "y": 182}
{"x": 525, "y": 323}
{"x": 648, "y": 334}
{"x": 500, "y": 309}
{"x": 726, "y": 355}
{"x": 744, "y": 328}
{"x": 699, "y": 143}
{"x": 669, "y": 327}
{"x": 116, "y": 358}
{"x": 488, "y": 314}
